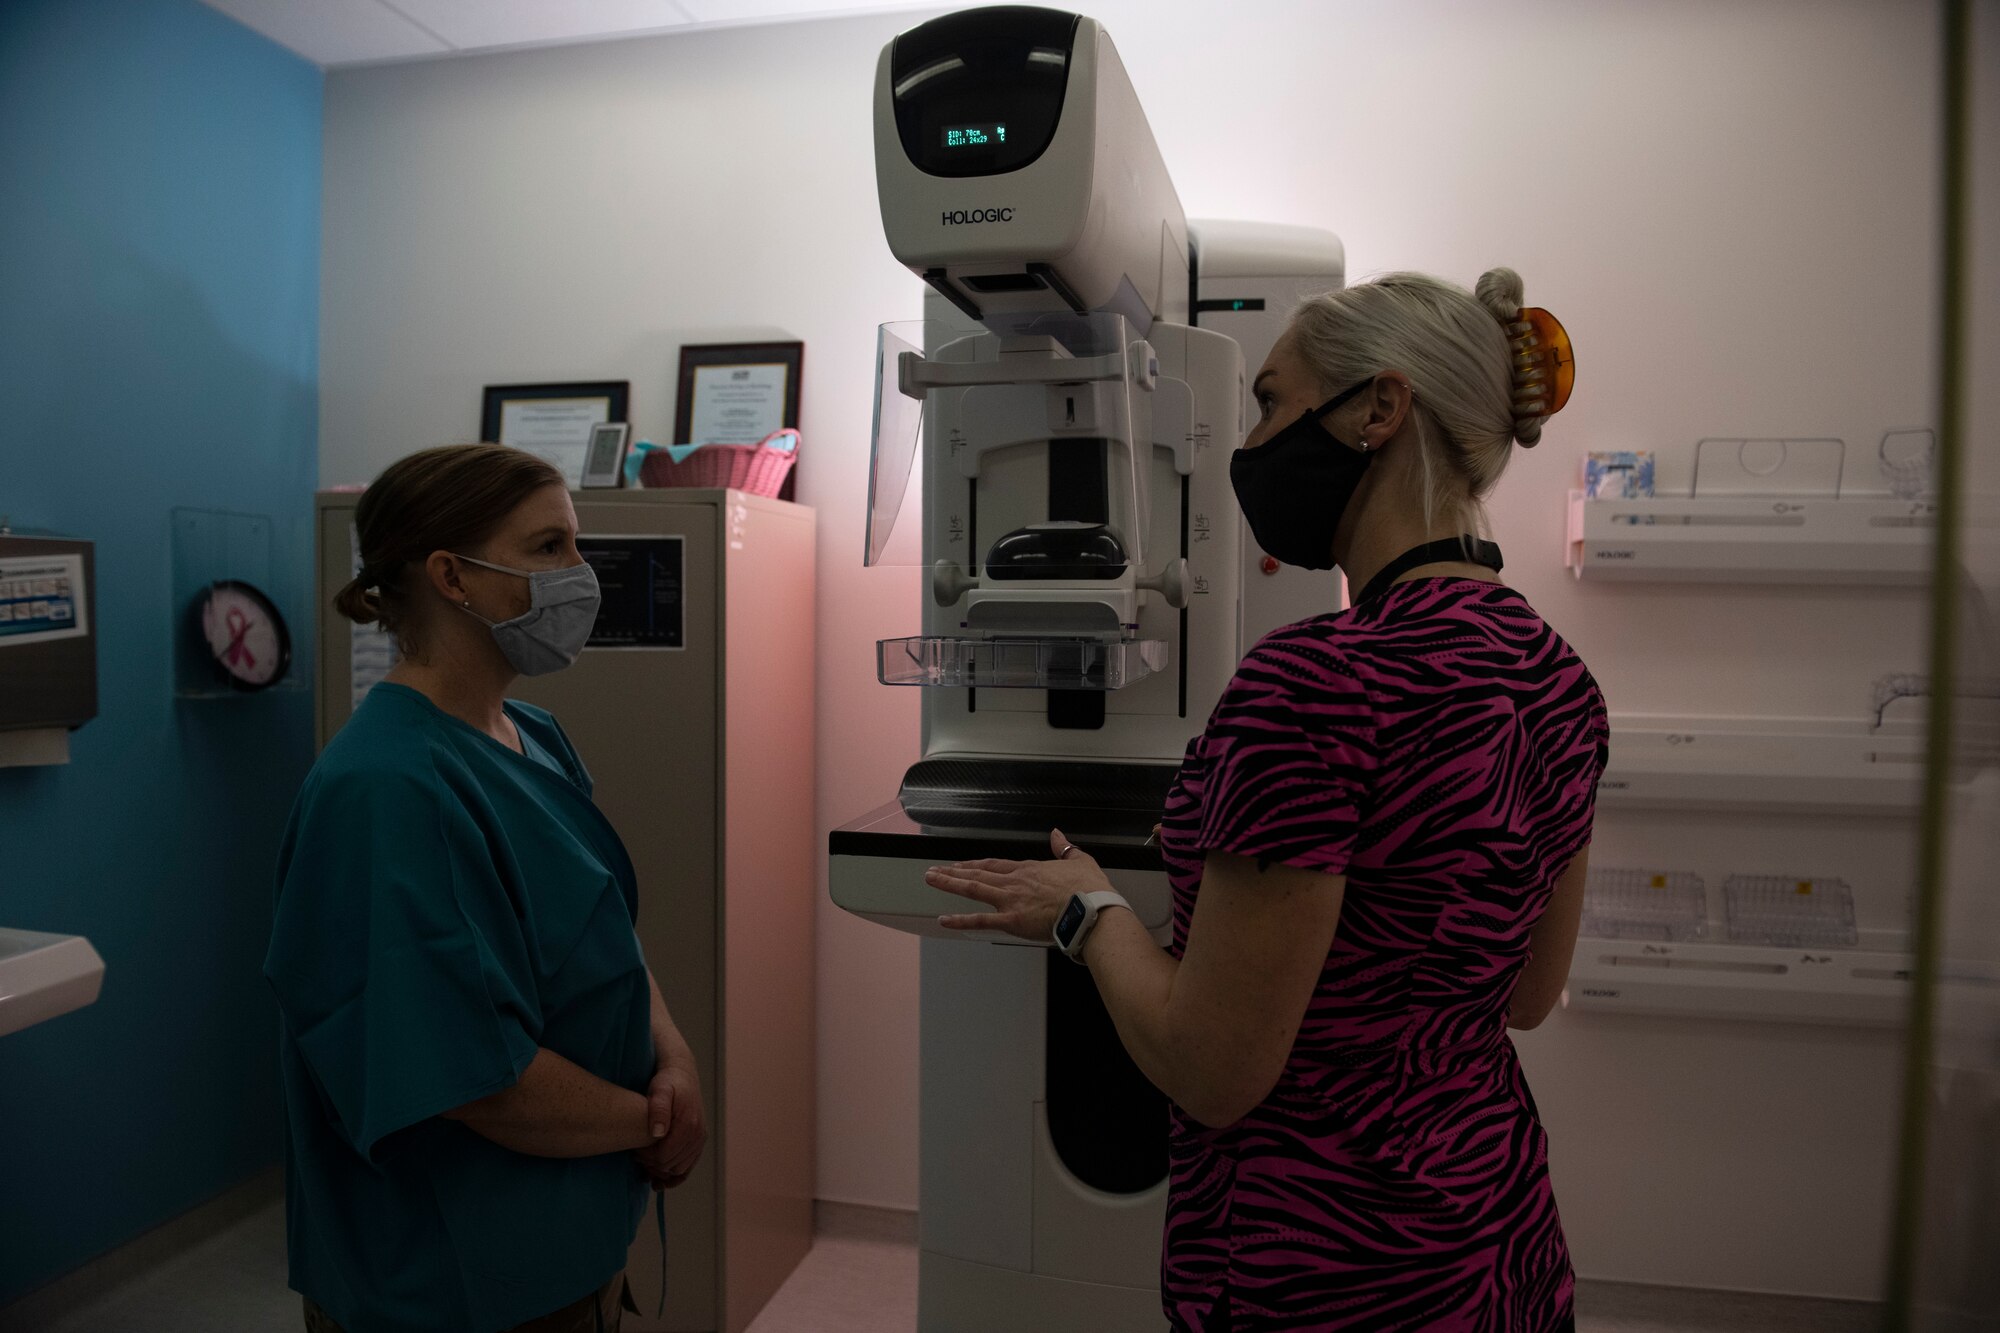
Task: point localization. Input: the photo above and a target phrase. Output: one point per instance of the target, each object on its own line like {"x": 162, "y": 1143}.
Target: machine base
{"x": 954, "y": 1296}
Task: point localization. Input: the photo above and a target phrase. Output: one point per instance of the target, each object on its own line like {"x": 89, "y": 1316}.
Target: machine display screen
{"x": 639, "y": 581}
{"x": 989, "y": 135}
{"x": 980, "y": 92}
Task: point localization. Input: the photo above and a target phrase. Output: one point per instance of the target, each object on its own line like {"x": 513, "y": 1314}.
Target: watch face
{"x": 1070, "y": 922}
{"x": 246, "y": 636}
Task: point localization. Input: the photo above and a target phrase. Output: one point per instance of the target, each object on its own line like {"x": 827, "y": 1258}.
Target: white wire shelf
{"x": 1748, "y": 539}
{"x": 1867, "y": 985}
{"x": 1805, "y": 766}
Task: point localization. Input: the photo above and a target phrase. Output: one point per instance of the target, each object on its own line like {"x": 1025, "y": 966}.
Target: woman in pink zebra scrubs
{"x": 1377, "y": 848}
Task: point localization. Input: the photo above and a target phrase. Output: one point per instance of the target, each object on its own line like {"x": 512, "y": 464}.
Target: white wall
{"x": 1728, "y": 204}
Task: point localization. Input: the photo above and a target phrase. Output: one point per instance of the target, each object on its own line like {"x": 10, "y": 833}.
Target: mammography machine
{"x": 1069, "y": 405}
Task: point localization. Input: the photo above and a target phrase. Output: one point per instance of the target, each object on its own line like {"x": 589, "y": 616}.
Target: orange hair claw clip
{"x": 1544, "y": 363}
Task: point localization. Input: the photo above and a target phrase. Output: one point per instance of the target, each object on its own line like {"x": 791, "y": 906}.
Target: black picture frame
{"x": 695, "y": 356}
{"x": 617, "y": 392}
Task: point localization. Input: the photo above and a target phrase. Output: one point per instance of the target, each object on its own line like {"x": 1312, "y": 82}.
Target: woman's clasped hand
{"x": 673, "y": 1103}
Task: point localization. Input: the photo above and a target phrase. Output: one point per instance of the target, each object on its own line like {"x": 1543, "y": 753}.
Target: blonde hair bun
{"x": 1500, "y": 291}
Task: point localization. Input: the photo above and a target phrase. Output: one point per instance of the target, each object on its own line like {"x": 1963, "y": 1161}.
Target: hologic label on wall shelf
{"x": 1750, "y": 539}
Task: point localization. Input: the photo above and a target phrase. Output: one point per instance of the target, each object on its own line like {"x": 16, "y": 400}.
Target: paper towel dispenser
{"x": 48, "y": 645}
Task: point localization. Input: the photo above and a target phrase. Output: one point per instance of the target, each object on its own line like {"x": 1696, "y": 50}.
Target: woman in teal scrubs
{"x": 481, "y": 1078}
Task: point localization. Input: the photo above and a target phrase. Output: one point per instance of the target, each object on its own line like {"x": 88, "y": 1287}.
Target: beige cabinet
{"x": 693, "y": 710}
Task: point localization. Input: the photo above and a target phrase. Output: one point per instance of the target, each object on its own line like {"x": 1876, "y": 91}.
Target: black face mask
{"x": 1294, "y": 487}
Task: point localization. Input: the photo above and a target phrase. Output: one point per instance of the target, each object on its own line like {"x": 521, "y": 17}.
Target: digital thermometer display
{"x": 974, "y": 136}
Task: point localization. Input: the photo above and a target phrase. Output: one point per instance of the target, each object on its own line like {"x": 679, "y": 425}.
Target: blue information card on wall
{"x": 41, "y": 598}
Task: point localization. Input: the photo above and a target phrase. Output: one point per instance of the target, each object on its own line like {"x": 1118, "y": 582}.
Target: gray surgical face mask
{"x": 562, "y": 610}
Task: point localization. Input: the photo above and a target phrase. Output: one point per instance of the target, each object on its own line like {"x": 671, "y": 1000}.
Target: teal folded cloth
{"x": 786, "y": 441}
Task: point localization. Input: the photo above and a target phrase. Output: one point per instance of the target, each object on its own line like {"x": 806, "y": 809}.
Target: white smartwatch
{"x": 1073, "y": 926}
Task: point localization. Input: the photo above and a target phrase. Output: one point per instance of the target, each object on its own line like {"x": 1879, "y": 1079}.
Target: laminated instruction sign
{"x": 41, "y": 599}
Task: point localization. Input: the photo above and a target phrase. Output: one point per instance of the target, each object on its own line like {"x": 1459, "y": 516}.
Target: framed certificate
{"x": 553, "y": 421}
{"x": 738, "y": 393}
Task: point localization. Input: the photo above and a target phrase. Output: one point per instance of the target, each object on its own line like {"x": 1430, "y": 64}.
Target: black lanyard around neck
{"x": 1466, "y": 550}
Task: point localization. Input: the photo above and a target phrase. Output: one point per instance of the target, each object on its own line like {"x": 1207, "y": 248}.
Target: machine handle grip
{"x": 1170, "y": 583}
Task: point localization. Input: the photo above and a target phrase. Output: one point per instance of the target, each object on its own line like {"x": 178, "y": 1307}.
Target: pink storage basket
{"x": 759, "y": 468}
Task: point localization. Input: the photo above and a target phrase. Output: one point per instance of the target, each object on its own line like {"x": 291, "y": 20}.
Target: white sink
{"x": 42, "y": 976}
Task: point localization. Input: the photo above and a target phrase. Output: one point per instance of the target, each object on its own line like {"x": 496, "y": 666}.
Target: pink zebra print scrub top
{"x": 1440, "y": 747}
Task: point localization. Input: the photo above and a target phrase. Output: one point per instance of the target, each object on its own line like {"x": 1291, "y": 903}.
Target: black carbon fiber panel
{"x": 1037, "y": 794}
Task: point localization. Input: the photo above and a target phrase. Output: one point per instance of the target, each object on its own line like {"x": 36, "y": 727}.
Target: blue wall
{"x": 159, "y": 316}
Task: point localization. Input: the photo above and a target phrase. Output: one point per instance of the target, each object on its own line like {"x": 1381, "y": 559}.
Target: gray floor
{"x": 861, "y": 1277}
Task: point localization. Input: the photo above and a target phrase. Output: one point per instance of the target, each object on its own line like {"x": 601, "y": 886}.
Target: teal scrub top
{"x": 446, "y": 906}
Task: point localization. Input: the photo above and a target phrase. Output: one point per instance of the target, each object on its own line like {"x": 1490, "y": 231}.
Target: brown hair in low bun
{"x": 450, "y": 498}
{"x": 358, "y": 602}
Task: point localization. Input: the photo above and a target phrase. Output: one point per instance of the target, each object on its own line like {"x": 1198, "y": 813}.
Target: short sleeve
{"x": 397, "y": 958}
{"x": 1591, "y": 757}
{"x": 1286, "y": 759}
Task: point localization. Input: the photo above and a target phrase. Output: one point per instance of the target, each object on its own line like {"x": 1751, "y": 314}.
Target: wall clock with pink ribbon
{"x": 246, "y": 636}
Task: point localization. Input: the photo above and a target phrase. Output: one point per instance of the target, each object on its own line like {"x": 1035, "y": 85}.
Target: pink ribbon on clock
{"x": 238, "y": 653}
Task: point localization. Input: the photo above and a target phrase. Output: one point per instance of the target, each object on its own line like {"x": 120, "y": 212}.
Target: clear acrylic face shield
{"x": 896, "y": 440}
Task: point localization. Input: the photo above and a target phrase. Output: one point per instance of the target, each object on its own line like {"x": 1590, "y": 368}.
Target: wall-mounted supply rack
{"x": 1768, "y": 947}
{"x": 1809, "y": 766}
{"x": 1746, "y": 539}
{"x": 1867, "y": 986}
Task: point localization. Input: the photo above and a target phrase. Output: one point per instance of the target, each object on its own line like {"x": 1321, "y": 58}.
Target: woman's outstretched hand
{"x": 1026, "y": 896}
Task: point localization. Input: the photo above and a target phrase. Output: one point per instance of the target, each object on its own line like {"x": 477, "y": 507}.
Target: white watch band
{"x": 1093, "y": 905}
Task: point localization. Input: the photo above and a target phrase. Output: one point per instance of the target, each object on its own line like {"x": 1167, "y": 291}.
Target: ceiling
{"x": 357, "y": 32}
